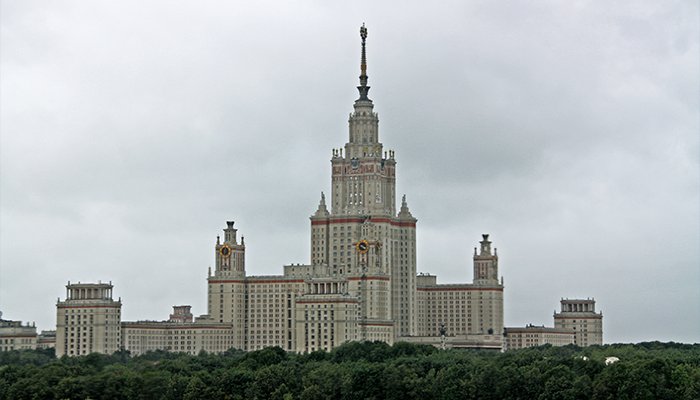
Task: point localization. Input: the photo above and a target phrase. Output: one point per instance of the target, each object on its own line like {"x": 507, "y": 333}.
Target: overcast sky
{"x": 131, "y": 131}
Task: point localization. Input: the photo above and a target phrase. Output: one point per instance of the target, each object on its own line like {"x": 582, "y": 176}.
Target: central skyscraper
{"x": 360, "y": 284}
{"x": 361, "y": 281}
{"x": 362, "y": 238}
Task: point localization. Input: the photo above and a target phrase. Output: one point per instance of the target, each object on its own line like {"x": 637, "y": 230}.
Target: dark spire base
{"x": 363, "y": 92}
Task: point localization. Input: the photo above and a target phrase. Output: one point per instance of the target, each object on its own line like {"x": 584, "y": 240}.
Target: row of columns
{"x": 84, "y": 293}
{"x": 327, "y": 288}
{"x": 578, "y": 307}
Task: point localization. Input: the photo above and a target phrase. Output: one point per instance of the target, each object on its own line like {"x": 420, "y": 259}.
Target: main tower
{"x": 361, "y": 282}
{"x": 362, "y": 238}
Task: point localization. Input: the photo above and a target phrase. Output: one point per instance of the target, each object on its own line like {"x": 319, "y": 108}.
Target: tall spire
{"x": 363, "y": 88}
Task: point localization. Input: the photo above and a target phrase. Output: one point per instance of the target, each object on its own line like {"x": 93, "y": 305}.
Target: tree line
{"x": 369, "y": 370}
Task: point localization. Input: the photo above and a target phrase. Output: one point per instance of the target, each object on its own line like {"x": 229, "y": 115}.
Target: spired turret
{"x": 322, "y": 211}
{"x": 363, "y": 180}
{"x": 485, "y": 263}
{"x": 364, "y": 122}
{"x": 226, "y": 288}
{"x": 404, "y": 212}
{"x": 230, "y": 255}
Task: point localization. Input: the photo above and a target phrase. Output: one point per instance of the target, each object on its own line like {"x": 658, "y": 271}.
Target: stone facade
{"x": 88, "y": 321}
{"x": 474, "y": 309}
{"x": 577, "y": 323}
{"x": 361, "y": 283}
{"x": 579, "y": 316}
{"x": 46, "y": 340}
{"x": 531, "y": 335}
{"x": 15, "y": 336}
{"x": 180, "y": 333}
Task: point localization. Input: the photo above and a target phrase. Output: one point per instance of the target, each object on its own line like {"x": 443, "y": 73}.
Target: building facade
{"x": 88, "y": 320}
{"x": 15, "y": 336}
{"x": 473, "y": 312}
{"x": 529, "y": 336}
{"x": 181, "y": 333}
{"x": 361, "y": 283}
{"x": 579, "y": 316}
{"x": 46, "y": 340}
{"x": 577, "y": 323}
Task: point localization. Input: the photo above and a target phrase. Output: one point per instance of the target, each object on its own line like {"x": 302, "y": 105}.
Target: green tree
{"x": 196, "y": 390}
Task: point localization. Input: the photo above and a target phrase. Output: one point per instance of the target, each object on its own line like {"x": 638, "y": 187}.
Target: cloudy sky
{"x": 130, "y": 131}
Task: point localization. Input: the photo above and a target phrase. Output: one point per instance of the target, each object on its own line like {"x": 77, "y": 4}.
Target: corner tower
{"x": 230, "y": 255}
{"x": 485, "y": 263}
{"x": 226, "y": 289}
{"x": 580, "y": 317}
{"x": 88, "y": 320}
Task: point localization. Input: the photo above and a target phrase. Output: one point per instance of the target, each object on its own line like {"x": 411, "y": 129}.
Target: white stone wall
{"x": 192, "y": 338}
{"x": 530, "y": 336}
{"x": 325, "y": 321}
{"x": 88, "y": 321}
{"x": 15, "y": 336}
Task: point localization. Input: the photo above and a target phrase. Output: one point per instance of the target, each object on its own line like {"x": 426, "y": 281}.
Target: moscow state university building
{"x": 361, "y": 283}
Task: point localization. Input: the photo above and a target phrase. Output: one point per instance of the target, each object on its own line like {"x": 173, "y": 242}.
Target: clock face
{"x": 363, "y": 246}
{"x": 225, "y": 251}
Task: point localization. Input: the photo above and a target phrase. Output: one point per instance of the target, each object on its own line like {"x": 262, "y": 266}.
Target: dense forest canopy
{"x": 362, "y": 371}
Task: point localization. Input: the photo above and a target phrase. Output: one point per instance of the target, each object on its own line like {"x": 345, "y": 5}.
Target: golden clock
{"x": 362, "y": 246}
{"x": 225, "y": 251}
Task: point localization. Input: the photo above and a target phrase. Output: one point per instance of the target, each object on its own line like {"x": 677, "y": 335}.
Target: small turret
{"x": 322, "y": 210}
{"x": 485, "y": 245}
{"x": 485, "y": 263}
{"x": 230, "y": 233}
{"x": 404, "y": 213}
{"x": 230, "y": 255}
